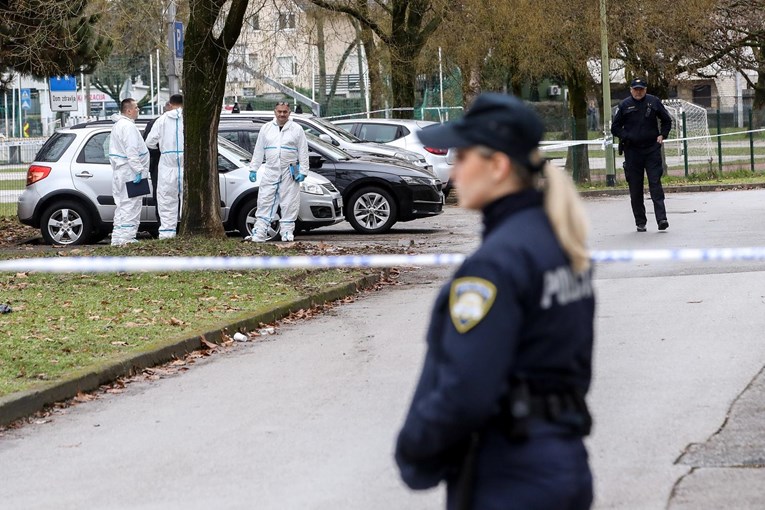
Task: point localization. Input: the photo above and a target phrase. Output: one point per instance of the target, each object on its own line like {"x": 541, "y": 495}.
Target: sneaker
{"x": 641, "y": 228}
{"x": 663, "y": 225}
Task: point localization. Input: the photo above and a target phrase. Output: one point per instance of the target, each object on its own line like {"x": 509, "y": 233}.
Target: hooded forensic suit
{"x": 286, "y": 153}
{"x": 129, "y": 157}
{"x": 167, "y": 134}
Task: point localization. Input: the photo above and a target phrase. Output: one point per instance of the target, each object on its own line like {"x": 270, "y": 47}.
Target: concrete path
{"x": 307, "y": 419}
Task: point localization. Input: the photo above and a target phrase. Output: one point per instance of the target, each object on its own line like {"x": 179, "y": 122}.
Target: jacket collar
{"x": 502, "y": 208}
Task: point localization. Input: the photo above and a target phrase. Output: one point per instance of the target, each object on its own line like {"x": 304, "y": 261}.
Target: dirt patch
{"x": 12, "y": 233}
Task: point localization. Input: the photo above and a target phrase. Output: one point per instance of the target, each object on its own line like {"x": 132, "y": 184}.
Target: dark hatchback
{"x": 377, "y": 192}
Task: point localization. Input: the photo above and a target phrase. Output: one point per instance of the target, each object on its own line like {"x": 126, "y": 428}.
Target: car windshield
{"x": 339, "y": 133}
{"x": 327, "y": 148}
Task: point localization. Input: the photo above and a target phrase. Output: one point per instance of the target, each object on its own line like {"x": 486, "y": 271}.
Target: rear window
{"x": 55, "y": 147}
{"x": 381, "y": 133}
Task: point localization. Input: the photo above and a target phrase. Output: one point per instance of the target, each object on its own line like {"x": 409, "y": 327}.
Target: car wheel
{"x": 371, "y": 211}
{"x": 66, "y": 223}
{"x": 246, "y": 221}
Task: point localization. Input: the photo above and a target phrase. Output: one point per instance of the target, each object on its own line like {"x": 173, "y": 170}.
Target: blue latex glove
{"x": 253, "y": 175}
{"x": 295, "y": 171}
{"x": 137, "y": 179}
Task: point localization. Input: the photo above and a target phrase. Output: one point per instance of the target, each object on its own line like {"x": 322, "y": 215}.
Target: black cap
{"x": 498, "y": 121}
{"x": 638, "y": 83}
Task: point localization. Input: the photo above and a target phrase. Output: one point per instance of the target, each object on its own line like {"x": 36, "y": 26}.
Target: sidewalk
{"x": 22, "y": 404}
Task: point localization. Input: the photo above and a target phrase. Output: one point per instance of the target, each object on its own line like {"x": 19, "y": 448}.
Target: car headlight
{"x": 414, "y": 158}
{"x": 313, "y": 189}
{"x": 419, "y": 180}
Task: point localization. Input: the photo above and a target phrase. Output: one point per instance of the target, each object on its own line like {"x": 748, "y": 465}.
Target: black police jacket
{"x": 636, "y": 123}
{"x": 514, "y": 307}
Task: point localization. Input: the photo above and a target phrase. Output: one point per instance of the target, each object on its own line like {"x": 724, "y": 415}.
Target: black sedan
{"x": 377, "y": 192}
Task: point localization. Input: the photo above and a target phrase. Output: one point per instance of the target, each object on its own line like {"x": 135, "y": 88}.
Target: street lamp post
{"x": 606, "y": 83}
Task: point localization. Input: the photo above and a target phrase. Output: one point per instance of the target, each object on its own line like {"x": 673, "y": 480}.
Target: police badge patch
{"x": 470, "y": 299}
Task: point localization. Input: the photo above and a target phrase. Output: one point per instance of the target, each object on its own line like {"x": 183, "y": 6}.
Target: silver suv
{"x": 68, "y": 195}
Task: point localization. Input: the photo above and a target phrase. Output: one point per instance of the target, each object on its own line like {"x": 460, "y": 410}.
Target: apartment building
{"x": 286, "y": 40}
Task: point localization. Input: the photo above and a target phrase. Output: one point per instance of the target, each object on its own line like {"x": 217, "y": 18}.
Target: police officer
{"x": 499, "y": 410}
{"x": 640, "y": 137}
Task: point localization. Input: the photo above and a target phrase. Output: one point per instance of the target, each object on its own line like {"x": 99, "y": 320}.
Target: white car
{"x": 337, "y": 137}
{"x": 402, "y": 133}
{"x": 68, "y": 195}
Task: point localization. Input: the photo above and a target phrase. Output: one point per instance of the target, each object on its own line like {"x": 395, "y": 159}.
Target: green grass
{"x": 65, "y": 323}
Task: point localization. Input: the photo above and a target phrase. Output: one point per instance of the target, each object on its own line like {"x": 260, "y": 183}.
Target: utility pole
{"x": 606, "y": 83}
{"x": 172, "y": 75}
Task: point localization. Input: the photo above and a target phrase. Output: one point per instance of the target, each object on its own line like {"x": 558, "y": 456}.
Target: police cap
{"x": 638, "y": 83}
{"x": 498, "y": 121}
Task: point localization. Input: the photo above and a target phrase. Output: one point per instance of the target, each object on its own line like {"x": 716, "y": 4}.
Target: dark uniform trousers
{"x": 548, "y": 471}
{"x": 636, "y": 161}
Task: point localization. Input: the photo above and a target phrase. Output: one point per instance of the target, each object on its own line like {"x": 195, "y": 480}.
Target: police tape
{"x": 175, "y": 264}
{"x": 552, "y": 145}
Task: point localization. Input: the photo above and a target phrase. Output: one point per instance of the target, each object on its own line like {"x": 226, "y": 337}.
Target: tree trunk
{"x": 321, "y": 50}
{"x": 204, "y": 76}
{"x": 336, "y": 77}
{"x": 403, "y": 74}
{"x": 578, "y": 162}
{"x": 471, "y": 82}
{"x": 376, "y": 85}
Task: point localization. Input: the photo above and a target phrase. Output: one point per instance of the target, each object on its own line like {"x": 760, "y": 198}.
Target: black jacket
{"x": 636, "y": 123}
{"x": 514, "y": 307}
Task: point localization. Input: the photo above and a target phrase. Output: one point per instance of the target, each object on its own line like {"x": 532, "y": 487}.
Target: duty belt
{"x": 567, "y": 409}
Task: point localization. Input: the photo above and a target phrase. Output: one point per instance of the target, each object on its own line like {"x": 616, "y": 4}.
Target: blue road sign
{"x": 26, "y": 99}
{"x": 64, "y": 83}
{"x": 63, "y": 93}
{"x": 178, "y": 39}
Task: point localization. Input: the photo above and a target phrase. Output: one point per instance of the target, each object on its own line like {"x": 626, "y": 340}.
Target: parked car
{"x": 402, "y": 133}
{"x": 68, "y": 195}
{"x": 377, "y": 192}
{"x": 337, "y": 137}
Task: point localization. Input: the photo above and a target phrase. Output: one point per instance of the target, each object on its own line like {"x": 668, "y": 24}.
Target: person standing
{"x": 499, "y": 411}
{"x": 167, "y": 135}
{"x": 642, "y": 124}
{"x": 154, "y": 160}
{"x": 285, "y": 148}
{"x": 129, "y": 158}
{"x": 592, "y": 116}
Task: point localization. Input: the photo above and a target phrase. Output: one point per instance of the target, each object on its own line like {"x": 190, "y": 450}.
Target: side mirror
{"x": 326, "y": 138}
{"x": 315, "y": 161}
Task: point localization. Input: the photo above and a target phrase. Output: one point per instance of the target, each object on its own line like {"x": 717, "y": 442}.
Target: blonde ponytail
{"x": 567, "y": 216}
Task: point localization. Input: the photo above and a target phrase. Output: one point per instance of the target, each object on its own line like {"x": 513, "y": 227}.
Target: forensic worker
{"x": 154, "y": 159}
{"x": 167, "y": 135}
{"x": 286, "y": 151}
{"x": 129, "y": 158}
{"x": 636, "y": 123}
{"x": 499, "y": 412}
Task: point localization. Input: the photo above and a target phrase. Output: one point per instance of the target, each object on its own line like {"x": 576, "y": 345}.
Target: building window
{"x": 286, "y": 21}
{"x": 287, "y": 66}
{"x": 254, "y": 22}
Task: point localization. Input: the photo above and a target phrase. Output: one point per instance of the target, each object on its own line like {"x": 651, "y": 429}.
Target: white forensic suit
{"x": 286, "y": 151}
{"x": 129, "y": 157}
{"x": 167, "y": 135}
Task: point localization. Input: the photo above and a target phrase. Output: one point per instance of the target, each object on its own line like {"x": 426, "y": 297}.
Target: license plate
{"x": 339, "y": 202}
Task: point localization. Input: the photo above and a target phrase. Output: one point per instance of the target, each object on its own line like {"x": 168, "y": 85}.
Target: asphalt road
{"x": 307, "y": 418}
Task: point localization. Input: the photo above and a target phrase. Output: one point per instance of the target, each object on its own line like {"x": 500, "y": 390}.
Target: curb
{"x": 691, "y": 188}
{"x": 21, "y": 404}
